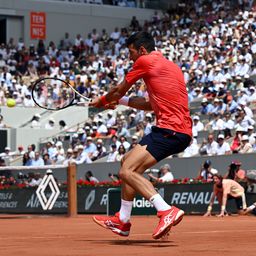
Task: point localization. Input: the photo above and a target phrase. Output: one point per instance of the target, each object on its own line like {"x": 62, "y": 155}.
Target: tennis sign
{"x": 38, "y": 25}
{"x": 48, "y": 182}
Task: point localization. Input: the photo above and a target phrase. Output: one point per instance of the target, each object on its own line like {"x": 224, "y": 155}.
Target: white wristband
{"x": 124, "y": 101}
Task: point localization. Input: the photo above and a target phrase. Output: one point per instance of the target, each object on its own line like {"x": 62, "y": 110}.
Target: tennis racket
{"x": 55, "y": 94}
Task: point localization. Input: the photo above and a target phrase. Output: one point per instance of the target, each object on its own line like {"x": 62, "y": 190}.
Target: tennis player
{"x": 225, "y": 189}
{"x": 168, "y": 98}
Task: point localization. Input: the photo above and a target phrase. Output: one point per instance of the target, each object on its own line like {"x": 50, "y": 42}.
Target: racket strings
{"x": 54, "y": 93}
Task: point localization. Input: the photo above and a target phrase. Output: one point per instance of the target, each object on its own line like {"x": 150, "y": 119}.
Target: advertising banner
{"x": 38, "y": 25}
{"x": 192, "y": 198}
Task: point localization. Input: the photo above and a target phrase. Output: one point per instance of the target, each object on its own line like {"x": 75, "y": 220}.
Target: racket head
{"x": 53, "y": 93}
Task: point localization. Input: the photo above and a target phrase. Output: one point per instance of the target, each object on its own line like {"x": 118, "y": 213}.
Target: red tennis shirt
{"x": 166, "y": 89}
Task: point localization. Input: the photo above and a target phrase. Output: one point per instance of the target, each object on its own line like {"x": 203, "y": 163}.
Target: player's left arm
{"x": 223, "y": 205}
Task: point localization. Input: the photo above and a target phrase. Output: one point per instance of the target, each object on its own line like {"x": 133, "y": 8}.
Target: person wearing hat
{"x": 82, "y": 156}
{"x": 112, "y": 154}
{"x": 111, "y": 120}
{"x": 69, "y": 156}
{"x": 245, "y": 146}
{"x": 102, "y": 128}
{"x": 35, "y": 121}
{"x": 7, "y": 154}
{"x": 217, "y": 124}
{"x": 206, "y": 107}
{"x": 50, "y": 124}
{"x": 250, "y": 133}
{"x": 207, "y": 171}
{"x": 90, "y": 146}
{"x": 223, "y": 147}
{"x": 168, "y": 99}
{"x": 100, "y": 151}
{"x": 246, "y": 109}
{"x": 165, "y": 174}
{"x": 197, "y": 124}
{"x": 244, "y": 120}
{"x": 252, "y": 96}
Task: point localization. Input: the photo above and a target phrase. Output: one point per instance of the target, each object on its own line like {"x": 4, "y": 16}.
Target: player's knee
{"x": 124, "y": 174}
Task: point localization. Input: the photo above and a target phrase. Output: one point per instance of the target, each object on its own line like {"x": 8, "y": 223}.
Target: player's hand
{"x": 111, "y": 105}
{"x": 95, "y": 103}
{"x": 222, "y": 214}
{"x": 207, "y": 214}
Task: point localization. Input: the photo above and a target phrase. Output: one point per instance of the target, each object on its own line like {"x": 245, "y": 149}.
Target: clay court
{"x": 195, "y": 235}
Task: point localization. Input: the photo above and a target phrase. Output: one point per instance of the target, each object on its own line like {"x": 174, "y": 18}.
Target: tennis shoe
{"x": 114, "y": 224}
{"x": 168, "y": 218}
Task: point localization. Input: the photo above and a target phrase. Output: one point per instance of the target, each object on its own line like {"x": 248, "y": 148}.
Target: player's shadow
{"x": 140, "y": 242}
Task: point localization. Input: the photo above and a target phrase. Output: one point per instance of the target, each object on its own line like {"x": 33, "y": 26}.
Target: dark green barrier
{"x": 192, "y": 198}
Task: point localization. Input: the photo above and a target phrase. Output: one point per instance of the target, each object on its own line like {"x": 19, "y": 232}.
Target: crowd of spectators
{"x": 213, "y": 43}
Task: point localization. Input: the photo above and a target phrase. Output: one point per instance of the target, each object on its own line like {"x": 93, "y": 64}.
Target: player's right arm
{"x": 209, "y": 208}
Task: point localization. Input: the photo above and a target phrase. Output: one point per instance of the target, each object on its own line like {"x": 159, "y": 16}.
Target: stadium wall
{"x": 69, "y": 17}
{"x": 180, "y": 167}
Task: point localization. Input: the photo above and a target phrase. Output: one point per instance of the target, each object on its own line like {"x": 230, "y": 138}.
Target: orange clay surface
{"x": 80, "y": 236}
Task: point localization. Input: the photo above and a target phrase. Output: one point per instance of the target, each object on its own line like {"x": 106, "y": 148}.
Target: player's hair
{"x": 218, "y": 176}
{"x": 139, "y": 39}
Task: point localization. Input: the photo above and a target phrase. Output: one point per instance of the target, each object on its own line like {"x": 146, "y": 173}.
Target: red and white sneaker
{"x": 114, "y": 224}
{"x": 168, "y": 218}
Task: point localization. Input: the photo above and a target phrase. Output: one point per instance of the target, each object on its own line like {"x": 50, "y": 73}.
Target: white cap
{"x": 110, "y": 113}
{"x": 58, "y": 143}
{"x": 239, "y": 129}
{"x": 149, "y": 115}
{"x": 250, "y": 127}
{"x": 132, "y": 115}
{"x": 80, "y": 131}
{"x": 245, "y": 137}
{"x": 216, "y": 100}
{"x": 221, "y": 136}
{"x": 37, "y": 115}
{"x": 89, "y": 138}
{"x": 196, "y": 118}
{"x": 134, "y": 137}
{"x": 70, "y": 150}
{"x": 94, "y": 127}
{"x": 7, "y": 148}
{"x": 99, "y": 141}
{"x": 80, "y": 146}
{"x": 204, "y": 100}
{"x": 242, "y": 102}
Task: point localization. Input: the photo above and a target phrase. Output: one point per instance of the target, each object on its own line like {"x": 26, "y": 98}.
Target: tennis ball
{"x": 11, "y": 103}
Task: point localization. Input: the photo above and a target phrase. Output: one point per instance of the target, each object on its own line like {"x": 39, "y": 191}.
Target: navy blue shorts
{"x": 162, "y": 143}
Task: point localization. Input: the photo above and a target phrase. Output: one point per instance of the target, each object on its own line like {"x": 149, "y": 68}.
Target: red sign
{"x": 37, "y": 25}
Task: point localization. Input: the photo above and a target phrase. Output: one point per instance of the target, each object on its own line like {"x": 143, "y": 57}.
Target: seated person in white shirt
{"x": 206, "y": 172}
{"x": 89, "y": 177}
{"x": 166, "y": 175}
{"x": 223, "y": 147}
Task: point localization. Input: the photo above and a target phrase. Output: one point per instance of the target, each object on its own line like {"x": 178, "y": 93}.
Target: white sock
{"x": 125, "y": 210}
{"x": 159, "y": 203}
{"x": 253, "y": 206}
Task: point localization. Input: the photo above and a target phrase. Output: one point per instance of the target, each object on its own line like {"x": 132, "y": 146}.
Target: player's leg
{"x": 250, "y": 208}
{"x": 134, "y": 161}
{"x": 131, "y": 172}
